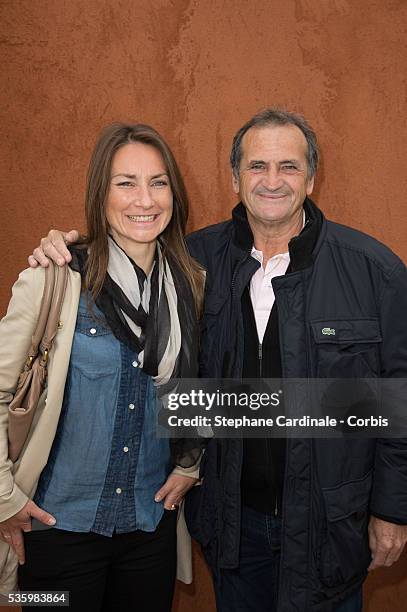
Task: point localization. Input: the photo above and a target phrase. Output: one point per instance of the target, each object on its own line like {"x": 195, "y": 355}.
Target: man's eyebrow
{"x": 290, "y": 161}
{"x": 134, "y": 176}
{"x": 256, "y": 161}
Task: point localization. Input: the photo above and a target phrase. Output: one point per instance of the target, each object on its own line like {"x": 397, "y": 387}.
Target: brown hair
{"x": 172, "y": 238}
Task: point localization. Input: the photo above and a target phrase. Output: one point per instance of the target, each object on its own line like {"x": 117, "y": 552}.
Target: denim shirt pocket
{"x": 95, "y": 350}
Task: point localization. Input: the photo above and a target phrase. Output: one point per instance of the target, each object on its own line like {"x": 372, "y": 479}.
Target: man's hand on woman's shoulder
{"x": 54, "y": 247}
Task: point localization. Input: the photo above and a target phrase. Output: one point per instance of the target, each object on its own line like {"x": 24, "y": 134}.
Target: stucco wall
{"x": 196, "y": 70}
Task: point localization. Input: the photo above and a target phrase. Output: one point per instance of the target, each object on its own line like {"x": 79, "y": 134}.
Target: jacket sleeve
{"x": 192, "y": 472}
{"x": 16, "y": 330}
{"x": 196, "y": 248}
{"x": 389, "y": 494}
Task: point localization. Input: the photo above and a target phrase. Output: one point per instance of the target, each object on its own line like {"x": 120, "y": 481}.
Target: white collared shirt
{"x": 261, "y": 289}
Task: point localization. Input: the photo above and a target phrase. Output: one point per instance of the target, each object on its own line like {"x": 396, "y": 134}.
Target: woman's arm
{"x": 16, "y": 330}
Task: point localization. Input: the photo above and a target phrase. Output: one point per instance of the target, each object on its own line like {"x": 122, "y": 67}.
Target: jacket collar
{"x": 301, "y": 247}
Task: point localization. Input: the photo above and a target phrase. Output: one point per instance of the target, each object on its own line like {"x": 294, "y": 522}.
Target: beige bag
{"x": 31, "y": 382}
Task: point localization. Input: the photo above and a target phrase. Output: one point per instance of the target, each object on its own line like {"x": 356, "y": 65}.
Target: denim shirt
{"x": 106, "y": 462}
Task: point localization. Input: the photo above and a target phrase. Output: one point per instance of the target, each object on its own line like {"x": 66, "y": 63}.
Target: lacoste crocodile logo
{"x": 328, "y": 331}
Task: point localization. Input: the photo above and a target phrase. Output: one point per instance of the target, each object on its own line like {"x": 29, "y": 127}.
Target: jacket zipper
{"x": 236, "y": 270}
{"x": 240, "y": 366}
{"x": 260, "y": 359}
{"x": 284, "y": 494}
{"x": 233, "y": 287}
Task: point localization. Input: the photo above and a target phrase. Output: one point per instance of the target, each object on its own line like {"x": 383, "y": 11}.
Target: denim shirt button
{"x": 118, "y": 490}
{"x": 125, "y": 449}
{"x": 92, "y": 331}
{"x": 131, "y": 406}
{"x": 134, "y": 364}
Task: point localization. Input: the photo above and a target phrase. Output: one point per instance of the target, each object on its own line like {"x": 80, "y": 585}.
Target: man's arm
{"x": 53, "y": 247}
{"x": 388, "y": 505}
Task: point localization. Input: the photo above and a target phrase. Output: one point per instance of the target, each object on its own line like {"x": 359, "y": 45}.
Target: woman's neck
{"x": 141, "y": 253}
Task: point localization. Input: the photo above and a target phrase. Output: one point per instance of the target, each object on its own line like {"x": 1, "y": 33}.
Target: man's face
{"x": 273, "y": 180}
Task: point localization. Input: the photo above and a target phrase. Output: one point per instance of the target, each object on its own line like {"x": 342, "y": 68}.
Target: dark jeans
{"x": 127, "y": 572}
{"x": 252, "y": 587}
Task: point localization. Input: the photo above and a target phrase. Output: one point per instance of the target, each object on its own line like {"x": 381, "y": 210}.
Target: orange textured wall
{"x": 196, "y": 70}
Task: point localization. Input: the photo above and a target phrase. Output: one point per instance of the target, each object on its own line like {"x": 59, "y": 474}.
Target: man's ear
{"x": 310, "y": 185}
{"x": 235, "y": 183}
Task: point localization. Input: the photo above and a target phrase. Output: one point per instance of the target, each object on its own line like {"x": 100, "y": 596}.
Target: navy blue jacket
{"x": 352, "y": 283}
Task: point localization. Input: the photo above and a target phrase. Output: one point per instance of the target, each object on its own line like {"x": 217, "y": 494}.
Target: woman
{"x": 100, "y": 487}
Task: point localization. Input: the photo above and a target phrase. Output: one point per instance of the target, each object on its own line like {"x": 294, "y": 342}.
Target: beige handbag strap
{"x": 50, "y": 311}
{"x": 56, "y": 307}
{"x": 43, "y": 316}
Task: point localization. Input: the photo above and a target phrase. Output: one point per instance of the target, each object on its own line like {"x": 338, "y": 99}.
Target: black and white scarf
{"x": 147, "y": 312}
{"x": 155, "y": 316}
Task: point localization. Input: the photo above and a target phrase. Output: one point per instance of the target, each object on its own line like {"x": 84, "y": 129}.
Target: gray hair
{"x": 275, "y": 116}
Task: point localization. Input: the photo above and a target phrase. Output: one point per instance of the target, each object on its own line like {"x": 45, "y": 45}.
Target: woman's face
{"x": 140, "y": 202}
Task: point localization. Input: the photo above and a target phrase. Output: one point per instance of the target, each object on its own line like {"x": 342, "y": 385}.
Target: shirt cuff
{"x": 12, "y": 503}
{"x": 191, "y": 472}
{"x": 390, "y": 519}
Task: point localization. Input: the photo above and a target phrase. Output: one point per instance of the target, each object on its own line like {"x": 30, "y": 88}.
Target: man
{"x": 294, "y": 526}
